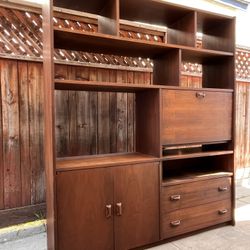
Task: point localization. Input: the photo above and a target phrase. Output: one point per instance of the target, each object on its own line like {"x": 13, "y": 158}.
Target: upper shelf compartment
{"x": 217, "y": 32}
{"x": 180, "y": 22}
{"x": 107, "y": 11}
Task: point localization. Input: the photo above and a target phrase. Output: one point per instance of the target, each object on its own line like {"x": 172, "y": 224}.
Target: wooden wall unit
{"x": 182, "y": 157}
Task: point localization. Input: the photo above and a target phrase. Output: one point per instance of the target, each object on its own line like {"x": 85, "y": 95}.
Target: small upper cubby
{"x": 180, "y": 22}
{"x": 107, "y": 11}
{"x": 217, "y": 31}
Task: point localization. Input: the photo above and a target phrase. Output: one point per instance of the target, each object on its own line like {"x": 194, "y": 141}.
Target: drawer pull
{"x": 175, "y": 223}
{"x": 175, "y": 197}
{"x": 200, "y": 95}
{"x": 223, "y": 211}
{"x": 222, "y": 189}
{"x": 108, "y": 211}
{"x": 119, "y": 209}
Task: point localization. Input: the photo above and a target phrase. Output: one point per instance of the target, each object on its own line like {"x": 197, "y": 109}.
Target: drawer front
{"x": 196, "y": 116}
{"x": 194, "y": 218}
{"x": 195, "y": 193}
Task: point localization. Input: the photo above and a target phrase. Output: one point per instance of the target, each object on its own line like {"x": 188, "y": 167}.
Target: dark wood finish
{"x": 193, "y": 194}
{"x": 194, "y": 177}
{"x": 194, "y": 218}
{"x": 213, "y": 77}
{"x": 136, "y": 197}
{"x": 196, "y": 155}
{"x": 108, "y": 20}
{"x": 75, "y": 163}
{"x": 183, "y": 31}
{"x": 82, "y": 197}
{"x": 49, "y": 135}
{"x": 167, "y": 68}
{"x": 148, "y": 122}
{"x": 100, "y": 86}
{"x": 218, "y": 32}
{"x": 187, "y": 118}
{"x": 101, "y": 43}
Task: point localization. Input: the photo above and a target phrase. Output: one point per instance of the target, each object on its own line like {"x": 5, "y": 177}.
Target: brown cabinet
{"x": 195, "y": 193}
{"x": 193, "y": 218}
{"x": 108, "y": 208}
{"x": 190, "y": 116}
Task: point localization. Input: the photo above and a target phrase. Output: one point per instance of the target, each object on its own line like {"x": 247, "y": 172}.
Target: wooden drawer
{"x": 190, "y": 116}
{"x": 195, "y": 193}
{"x": 194, "y": 218}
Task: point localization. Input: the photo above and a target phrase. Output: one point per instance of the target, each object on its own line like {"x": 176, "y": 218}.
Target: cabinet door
{"x": 190, "y": 116}
{"x": 82, "y": 216}
{"x": 136, "y": 203}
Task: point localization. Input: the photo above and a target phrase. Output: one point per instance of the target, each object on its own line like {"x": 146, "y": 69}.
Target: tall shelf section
{"x": 183, "y": 155}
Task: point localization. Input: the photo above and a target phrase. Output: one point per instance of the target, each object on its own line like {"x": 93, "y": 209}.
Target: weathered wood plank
{"x": 1, "y": 149}
{"x": 103, "y": 116}
{"x": 62, "y": 114}
{"x": 23, "y": 85}
{"x": 83, "y": 113}
{"x": 11, "y": 138}
{"x": 113, "y": 113}
{"x": 121, "y": 131}
{"x": 37, "y": 179}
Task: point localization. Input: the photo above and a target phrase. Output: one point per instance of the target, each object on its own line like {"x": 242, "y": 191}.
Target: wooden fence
{"x": 80, "y": 122}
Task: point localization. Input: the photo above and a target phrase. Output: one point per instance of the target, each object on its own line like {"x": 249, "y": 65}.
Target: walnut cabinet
{"x": 171, "y": 171}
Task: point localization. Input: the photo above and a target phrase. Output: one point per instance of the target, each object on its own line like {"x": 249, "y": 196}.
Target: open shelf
{"x": 180, "y": 22}
{"x": 195, "y": 176}
{"x": 99, "y": 161}
{"x": 107, "y": 11}
{"x": 107, "y": 44}
{"x": 101, "y": 86}
{"x": 197, "y": 154}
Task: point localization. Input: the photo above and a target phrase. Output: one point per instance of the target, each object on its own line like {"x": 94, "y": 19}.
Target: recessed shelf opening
{"x": 183, "y": 170}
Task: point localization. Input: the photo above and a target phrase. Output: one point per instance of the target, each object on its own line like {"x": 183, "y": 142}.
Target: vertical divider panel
{"x": 148, "y": 122}
{"x": 167, "y": 68}
{"x": 49, "y": 133}
{"x": 108, "y": 20}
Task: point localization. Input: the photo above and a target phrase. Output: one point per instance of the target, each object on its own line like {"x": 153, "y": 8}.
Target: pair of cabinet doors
{"x": 108, "y": 208}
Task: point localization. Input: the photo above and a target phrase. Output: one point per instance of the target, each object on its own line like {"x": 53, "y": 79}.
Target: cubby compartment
{"x": 107, "y": 11}
{"x": 217, "y": 31}
{"x": 214, "y": 69}
{"x": 166, "y": 70}
{"x": 194, "y": 169}
{"x": 110, "y": 125}
{"x": 180, "y": 22}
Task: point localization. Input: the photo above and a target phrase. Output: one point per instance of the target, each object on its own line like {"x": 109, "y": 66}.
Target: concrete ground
{"x": 224, "y": 238}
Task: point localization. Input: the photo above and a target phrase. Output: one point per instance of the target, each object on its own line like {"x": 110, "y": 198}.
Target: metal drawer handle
{"x": 222, "y": 189}
{"x": 176, "y": 197}
{"x": 175, "y": 223}
{"x": 108, "y": 211}
{"x": 223, "y": 211}
{"x": 119, "y": 209}
{"x": 200, "y": 95}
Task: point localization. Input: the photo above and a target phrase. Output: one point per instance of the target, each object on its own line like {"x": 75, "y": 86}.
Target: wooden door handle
{"x": 108, "y": 211}
{"x": 222, "y": 211}
{"x": 119, "y": 209}
{"x": 175, "y": 197}
{"x": 200, "y": 95}
{"x": 222, "y": 189}
{"x": 175, "y": 223}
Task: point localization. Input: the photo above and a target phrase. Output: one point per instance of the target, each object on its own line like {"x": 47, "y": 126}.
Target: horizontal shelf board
{"x": 197, "y": 155}
{"x": 90, "y": 162}
{"x": 61, "y": 84}
{"x": 100, "y": 86}
{"x": 192, "y": 177}
{"x": 108, "y": 44}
